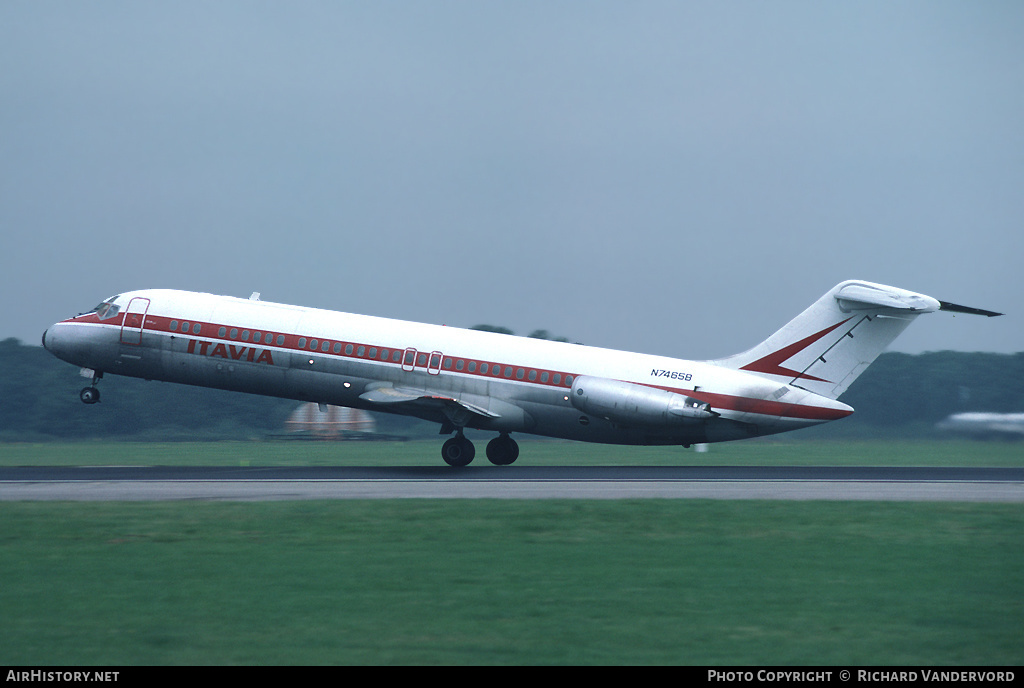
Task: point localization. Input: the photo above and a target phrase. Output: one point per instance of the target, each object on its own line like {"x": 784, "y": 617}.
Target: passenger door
{"x": 134, "y": 321}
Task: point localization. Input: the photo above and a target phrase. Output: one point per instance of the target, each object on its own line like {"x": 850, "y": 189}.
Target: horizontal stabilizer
{"x": 954, "y": 308}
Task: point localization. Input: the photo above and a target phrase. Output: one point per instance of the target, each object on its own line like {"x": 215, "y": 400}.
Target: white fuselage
{"x": 472, "y": 378}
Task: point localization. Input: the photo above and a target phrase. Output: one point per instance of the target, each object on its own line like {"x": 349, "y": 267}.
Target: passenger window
{"x": 174, "y": 326}
{"x": 302, "y": 342}
{"x": 280, "y": 340}
{"x": 234, "y": 333}
{"x": 222, "y": 331}
{"x": 337, "y": 347}
{"x": 195, "y": 328}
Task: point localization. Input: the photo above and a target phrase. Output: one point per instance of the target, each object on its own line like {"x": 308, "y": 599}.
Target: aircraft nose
{"x": 83, "y": 344}
{"x": 48, "y": 343}
{"x": 50, "y": 339}
{"x": 58, "y": 342}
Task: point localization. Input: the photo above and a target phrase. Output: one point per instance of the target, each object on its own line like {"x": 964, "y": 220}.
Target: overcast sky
{"x": 668, "y": 177}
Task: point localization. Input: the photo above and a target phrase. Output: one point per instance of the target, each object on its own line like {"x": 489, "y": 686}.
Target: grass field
{"x": 776, "y": 452}
{"x": 500, "y": 582}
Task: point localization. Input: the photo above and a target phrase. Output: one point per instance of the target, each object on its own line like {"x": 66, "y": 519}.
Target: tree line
{"x": 898, "y": 394}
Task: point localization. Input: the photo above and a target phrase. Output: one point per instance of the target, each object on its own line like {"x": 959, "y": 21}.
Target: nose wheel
{"x": 90, "y": 394}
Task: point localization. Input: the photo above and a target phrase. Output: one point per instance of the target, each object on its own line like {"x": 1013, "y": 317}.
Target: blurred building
{"x": 333, "y": 423}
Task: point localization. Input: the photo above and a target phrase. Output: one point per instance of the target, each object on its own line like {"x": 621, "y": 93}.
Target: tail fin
{"x": 825, "y": 348}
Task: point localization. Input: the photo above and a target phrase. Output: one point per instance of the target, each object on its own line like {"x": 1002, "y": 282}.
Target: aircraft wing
{"x": 401, "y": 395}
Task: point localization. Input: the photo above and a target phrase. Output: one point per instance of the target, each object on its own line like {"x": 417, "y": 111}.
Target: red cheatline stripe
{"x": 291, "y": 342}
{"x": 762, "y": 407}
{"x": 210, "y": 331}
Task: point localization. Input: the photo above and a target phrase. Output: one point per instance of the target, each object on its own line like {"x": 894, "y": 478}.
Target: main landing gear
{"x": 502, "y": 450}
{"x": 459, "y": 451}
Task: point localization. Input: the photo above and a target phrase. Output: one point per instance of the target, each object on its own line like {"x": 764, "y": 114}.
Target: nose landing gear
{"x": 90, "y": 394}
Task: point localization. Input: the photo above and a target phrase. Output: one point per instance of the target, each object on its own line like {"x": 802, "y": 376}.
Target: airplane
{"x": 982, "y": 425}
{"x": 494, "y": 382}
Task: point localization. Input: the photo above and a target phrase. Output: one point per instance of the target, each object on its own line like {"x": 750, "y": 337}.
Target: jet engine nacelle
{"x": 633, "y": 404}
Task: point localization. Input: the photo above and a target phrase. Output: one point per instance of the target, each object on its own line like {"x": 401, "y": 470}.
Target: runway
{"x": 160, "y": 483}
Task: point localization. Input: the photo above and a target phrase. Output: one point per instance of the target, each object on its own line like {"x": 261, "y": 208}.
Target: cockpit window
{"x": 106, "y": 309}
